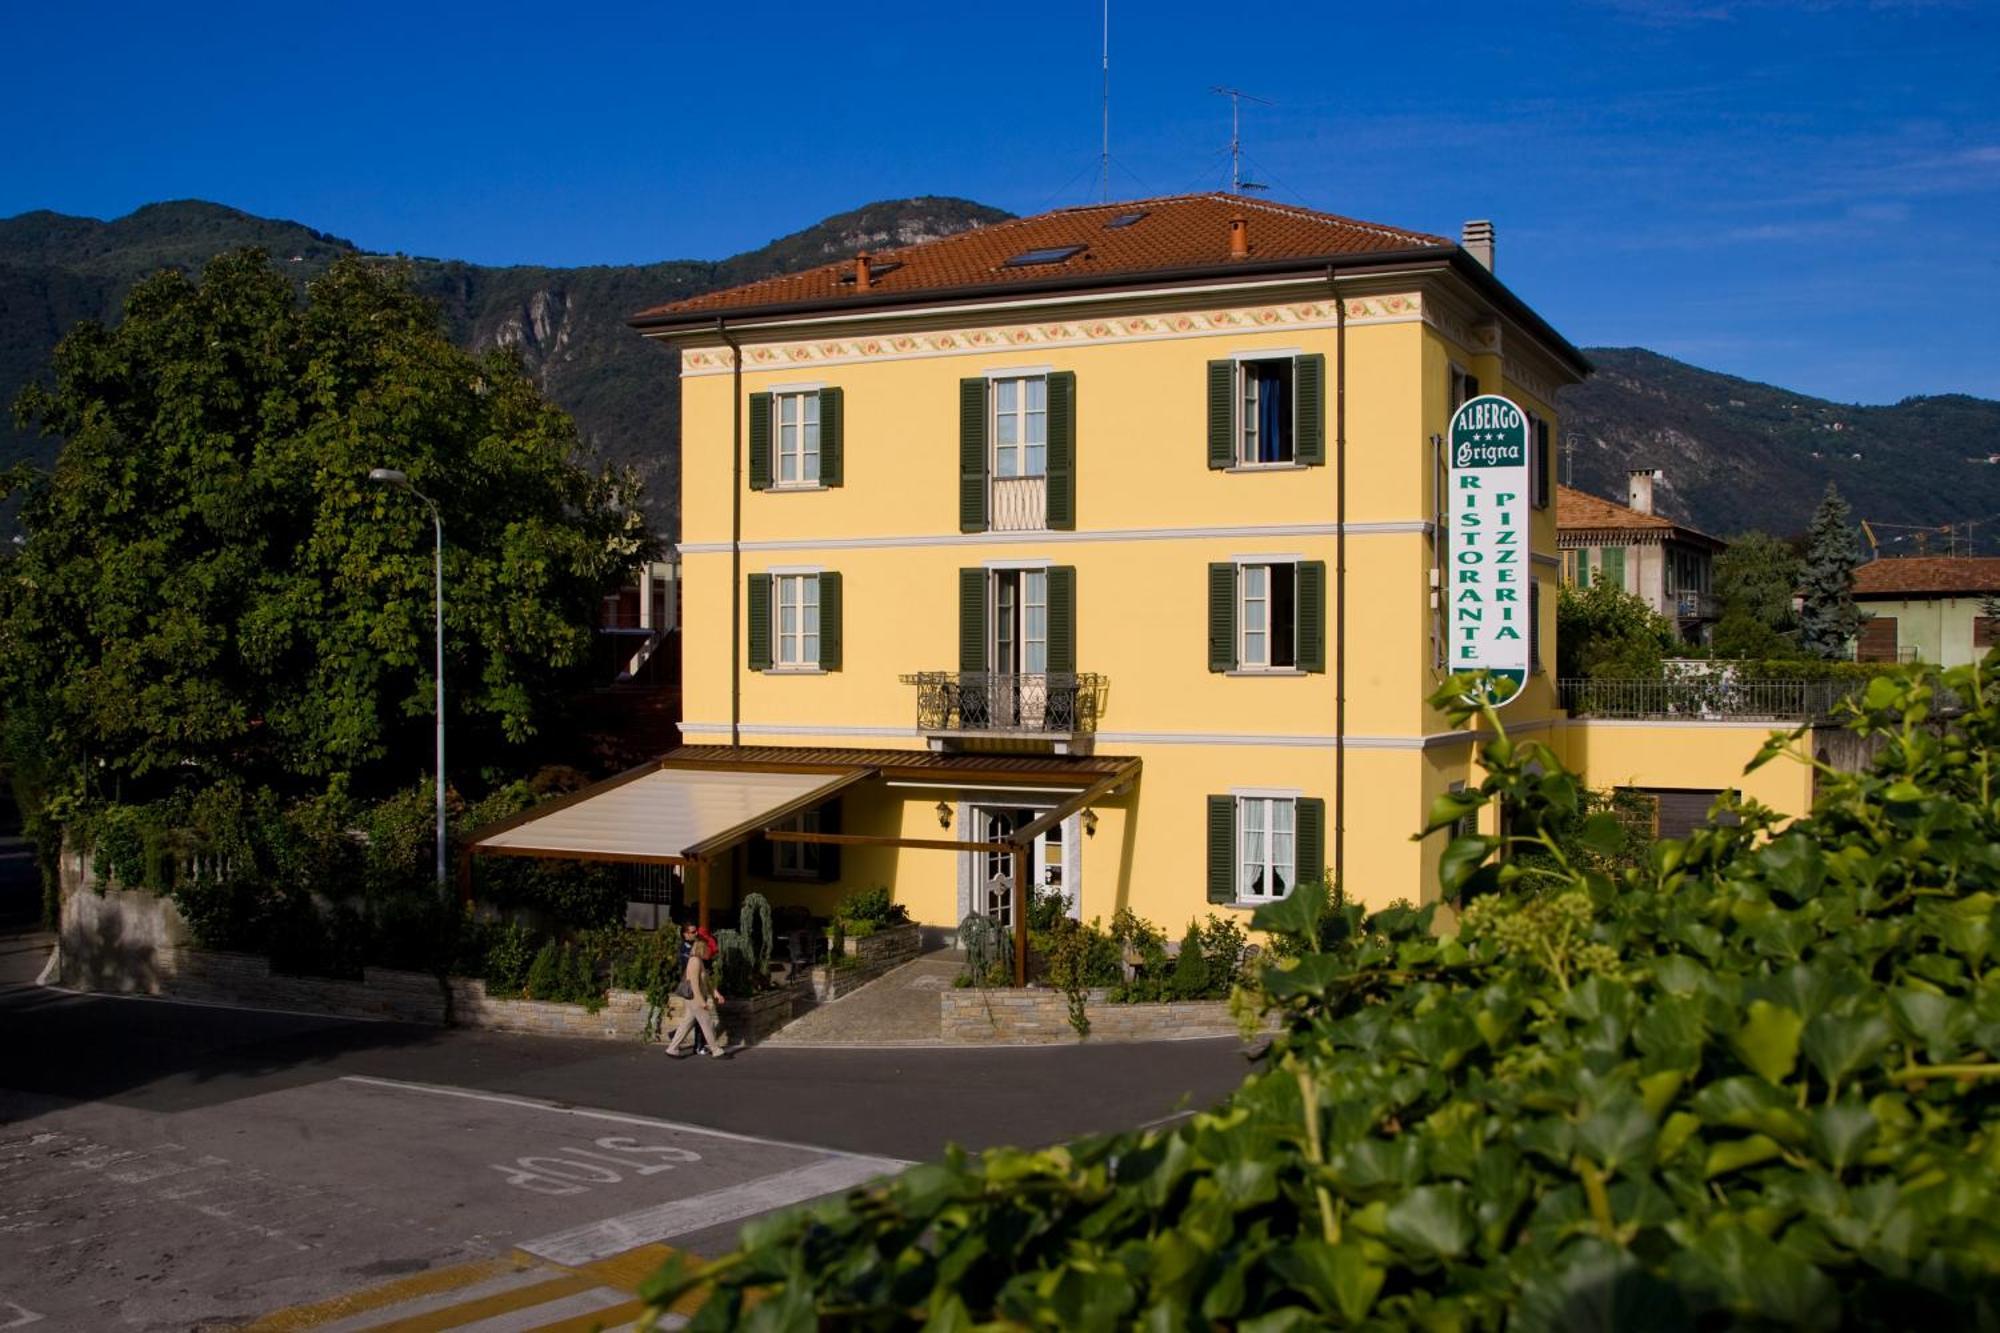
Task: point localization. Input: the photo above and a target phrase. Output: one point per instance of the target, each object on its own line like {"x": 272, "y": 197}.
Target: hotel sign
{"x": 1487, "y": 577}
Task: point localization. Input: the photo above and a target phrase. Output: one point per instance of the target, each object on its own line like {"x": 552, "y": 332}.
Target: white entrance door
{"x": 993, "y": 887}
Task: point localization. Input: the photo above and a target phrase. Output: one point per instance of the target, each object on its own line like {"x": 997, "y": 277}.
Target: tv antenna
{"x": 1237, "y": 97}
{"x": 1104, "y": 153}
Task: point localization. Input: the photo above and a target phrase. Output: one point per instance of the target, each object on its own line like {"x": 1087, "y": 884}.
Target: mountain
{"x": 1738, "y": 455}
{"x": 1735, "y": 454}
{"x": 569, "y": 323}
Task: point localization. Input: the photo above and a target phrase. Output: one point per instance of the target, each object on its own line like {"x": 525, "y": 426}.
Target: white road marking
{"x": 616, "y": 1117}
{"x": 614, "y": 1235}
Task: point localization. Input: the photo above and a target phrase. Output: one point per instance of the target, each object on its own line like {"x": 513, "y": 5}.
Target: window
{"x": 796, "y": 612}
{"x": 1052, "y": 254}
{"x": 1264, "y": 414}
{"x": 1268, "y": 613}
{"x": 1021, "y": 426}
{"x": 1466, "y": 825}
{"x": 797, "y": 437}
{"x": 1265, "y": 843}
{"x": 797, "y": 860}
{"x": 1123, "y": 220}
{"x": 1464, "y": 387}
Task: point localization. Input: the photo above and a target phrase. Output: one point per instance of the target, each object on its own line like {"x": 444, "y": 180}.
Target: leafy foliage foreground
{"x": 1748, "y": 1084}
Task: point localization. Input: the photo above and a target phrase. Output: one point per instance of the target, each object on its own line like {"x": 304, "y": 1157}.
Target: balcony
{"x": 1018, "y": 504}
{"x": 970, "y": 705}
{"x": 1693, "y": 606}
{"x": 1707, "y": 698}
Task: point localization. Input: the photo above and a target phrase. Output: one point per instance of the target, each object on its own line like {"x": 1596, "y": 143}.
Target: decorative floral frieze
{"x": 1053, "y": 333}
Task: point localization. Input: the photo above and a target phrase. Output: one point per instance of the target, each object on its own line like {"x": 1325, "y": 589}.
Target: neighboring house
{"x": 1926, "y": 608}
{"x": 1668, "y": 565}
{"x": 1013, "y": 561}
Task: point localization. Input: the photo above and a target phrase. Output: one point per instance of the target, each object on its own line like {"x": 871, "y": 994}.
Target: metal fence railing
{"x": 1704, "y": 697}
{"x": 1050, "y": 702}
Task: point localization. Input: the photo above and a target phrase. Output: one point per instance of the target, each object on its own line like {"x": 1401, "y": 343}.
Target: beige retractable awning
{"x": 665, "y": 815}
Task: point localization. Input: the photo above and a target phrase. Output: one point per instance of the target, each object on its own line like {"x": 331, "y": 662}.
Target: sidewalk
{"x": 899, "y": 1008}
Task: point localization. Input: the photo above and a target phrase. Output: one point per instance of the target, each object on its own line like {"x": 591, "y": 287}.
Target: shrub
{"x": 872, "y": 905}
{"x": 507, "y": 958}
{"x": 989, "y": 951}
{"x": 1749, "y": 1084}
{"x": 755, "y": 920}
{"x": 1189, "y": 979}
{"x": 545, "y": 973}
{"x": 735, "y": 969}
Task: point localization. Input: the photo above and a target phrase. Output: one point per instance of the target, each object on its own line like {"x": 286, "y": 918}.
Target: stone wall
{"x": 746, "y": 1022}
{"x": 122, "y": 940}
{"x": 1031, "y": 1017}
{"x": 873, "y": 955}
{"x": 623, "y": 1016}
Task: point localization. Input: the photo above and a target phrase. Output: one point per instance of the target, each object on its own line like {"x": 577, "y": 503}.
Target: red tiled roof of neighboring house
{"x": 1176, "y": 232}
{"x": 1581, "y": 515}
{"x": 1928, "y": 576}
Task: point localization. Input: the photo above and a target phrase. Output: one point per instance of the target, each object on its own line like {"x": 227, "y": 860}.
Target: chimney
{"x": 863, "y": 278}
{"x": 1477, "y": 240}
{"x": 1239, "y": 238}
{"x": 1639, "y": 489}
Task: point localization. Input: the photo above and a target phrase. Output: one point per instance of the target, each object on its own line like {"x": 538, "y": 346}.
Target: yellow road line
{"x": 506, "y": 1302}
{"x": 432, "y": 1282}
{"x": 611, "y": 1317}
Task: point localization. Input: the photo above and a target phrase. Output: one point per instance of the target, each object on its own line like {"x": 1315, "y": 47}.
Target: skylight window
{"x": 1123, "y": 220}
{"x": 875, "y": 270}
{"x": 1051, "y": 254}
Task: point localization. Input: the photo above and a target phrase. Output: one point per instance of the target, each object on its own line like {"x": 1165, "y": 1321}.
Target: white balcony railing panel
{"x": 1020, "y": 504}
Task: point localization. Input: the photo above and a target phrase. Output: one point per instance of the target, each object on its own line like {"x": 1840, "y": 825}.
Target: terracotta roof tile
{"x": 1928, "y": 575}
{"x": 1581, "y": 512}
{"x": 1177, "y": 232}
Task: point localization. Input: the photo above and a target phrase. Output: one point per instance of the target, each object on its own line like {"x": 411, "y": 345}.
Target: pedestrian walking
{"x": 701, "y": 997}
{"x": 691, "y": 934}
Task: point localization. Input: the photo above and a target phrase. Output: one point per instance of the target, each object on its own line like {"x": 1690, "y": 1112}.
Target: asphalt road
{"x": 170, "y": 1166}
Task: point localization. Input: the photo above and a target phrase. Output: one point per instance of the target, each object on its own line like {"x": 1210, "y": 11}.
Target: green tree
{"x": 1828, "y": 618}
{"x": 1756, "y": 579}
{"x": 210, "y": 587}
{"x": 1606, "y": 633}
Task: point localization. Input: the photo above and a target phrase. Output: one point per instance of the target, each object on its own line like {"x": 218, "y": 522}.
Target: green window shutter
{"x": 829, "y": 852}
{"x": 1535, "y": 625}
{"x": 760, "y": 441}
{"x": 1221, "y": 414}
{"x": 1309, "y": 848}
{"x": 1583, "y": 566}
{"x": 829, "y": 622}
{"x": 1062, "y": 451}
{"x": 972, "y": 455}
{"x": 1309, "y": 409}
{"x": 1611, "y": 560}
{"x": 1222, "y": 849}
{"x": 759, "y": 611}
{"x": 831, "y": 406}
{"x": 1311, "y": 614}
{"x": 1222, "y": 617}
{"x": 972, "y": 620}
{"x": 1062, "y": 619}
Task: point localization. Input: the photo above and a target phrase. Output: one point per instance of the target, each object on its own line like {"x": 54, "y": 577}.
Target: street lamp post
{"x": 388, "y": 476}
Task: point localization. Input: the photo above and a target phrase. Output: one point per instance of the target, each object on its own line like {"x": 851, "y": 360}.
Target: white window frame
{"x": 1244, "y": 660}
{"x": 797, "y": 860}
{"x": 1025, "y": 417}
{"x": 1262, "y": 808}
{"x": 804, "y": 449}
{"x": 1246, "y": 414}
{"x": 788, "y": 648}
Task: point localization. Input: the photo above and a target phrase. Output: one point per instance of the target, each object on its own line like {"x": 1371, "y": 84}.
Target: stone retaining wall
{"x": 874, "y": 955}
{"x": 623, "y": 1016}
{"x": 1031, "y": 1017}
{"x": 746, "y": 1022}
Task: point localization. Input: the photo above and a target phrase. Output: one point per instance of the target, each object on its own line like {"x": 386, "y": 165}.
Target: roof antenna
{"x": 1104, "y": 155}
{"x": 1236, "y": 96}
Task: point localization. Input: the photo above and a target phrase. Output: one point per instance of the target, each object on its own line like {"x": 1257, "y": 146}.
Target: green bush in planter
{"x": 1190, "y": 975}
{"x": 1751, "y": 1084}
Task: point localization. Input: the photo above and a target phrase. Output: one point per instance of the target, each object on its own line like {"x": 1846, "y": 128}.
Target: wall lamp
{"x": 944, "y": 814}
{"x": 1090, "y": 823}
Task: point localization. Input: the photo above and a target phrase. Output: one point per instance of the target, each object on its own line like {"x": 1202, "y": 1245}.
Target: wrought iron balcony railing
{"x": 1707, "y": 697}
{"x": 974, "y": 703}
{"x": 1694, "y": 605}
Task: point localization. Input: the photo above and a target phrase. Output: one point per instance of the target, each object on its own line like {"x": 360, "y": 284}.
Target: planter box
{"x": 747, "y": 1022}
{"x": 873, "y": 955}
{"x": 623, "y": 1016}
{"x": 1041, "y": 1017}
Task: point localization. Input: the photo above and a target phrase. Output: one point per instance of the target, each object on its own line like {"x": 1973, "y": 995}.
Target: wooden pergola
{"x": 750, "y": 774}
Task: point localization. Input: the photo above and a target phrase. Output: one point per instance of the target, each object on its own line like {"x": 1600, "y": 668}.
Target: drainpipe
{"x": 735, "y": 549}
{"x": 1339, "y": 580}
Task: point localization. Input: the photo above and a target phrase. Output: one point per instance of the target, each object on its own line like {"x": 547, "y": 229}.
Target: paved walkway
{"x": 899, "y": 1008}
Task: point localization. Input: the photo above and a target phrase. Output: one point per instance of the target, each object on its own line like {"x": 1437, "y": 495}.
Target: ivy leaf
{"x": 1450, "y": 807}
{"x": 1841, "y": 1131}
{"x": 1603, "y": 834}
{"x": 1838, "y": 1046}
{"x": 1768, "y": 1041}
{"x": 1739, "y": 1153}
{"x": 1461, "y": 858}
{"x": 1618, "y": 1133}
{"x": 1338, "y": 1277}
{"x": 1431, "y": 1221}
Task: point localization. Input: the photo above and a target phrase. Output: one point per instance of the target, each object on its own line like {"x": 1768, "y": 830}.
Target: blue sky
{"x": 1803, "y": 193}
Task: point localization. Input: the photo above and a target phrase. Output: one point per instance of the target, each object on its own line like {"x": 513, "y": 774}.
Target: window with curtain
{"x": 1264, "y": 412}
{"x": 795, "y": 609}
{"x": 1265, "y": 838}
{"x": 796, "y": 437}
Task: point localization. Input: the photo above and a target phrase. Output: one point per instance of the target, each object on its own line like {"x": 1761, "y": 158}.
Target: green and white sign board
{"x": 1486, "y": 591}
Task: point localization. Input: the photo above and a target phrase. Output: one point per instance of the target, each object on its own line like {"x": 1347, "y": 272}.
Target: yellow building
{"x": 988, "y": 518}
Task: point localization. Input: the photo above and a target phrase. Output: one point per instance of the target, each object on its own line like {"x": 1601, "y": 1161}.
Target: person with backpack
{"x": 699, "y": 992}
